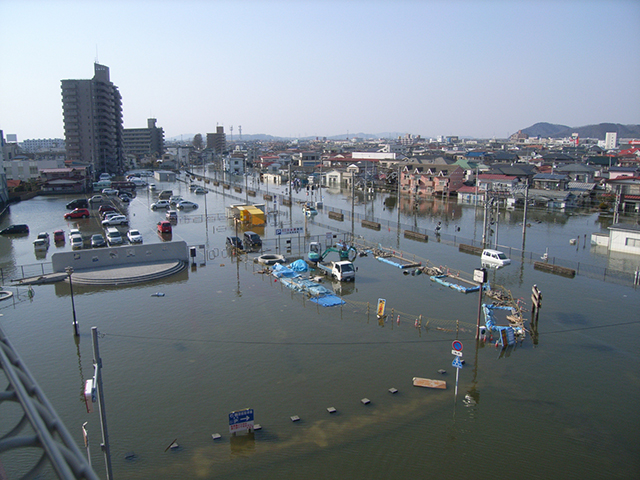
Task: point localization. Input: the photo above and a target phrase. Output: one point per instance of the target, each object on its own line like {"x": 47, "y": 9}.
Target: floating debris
{"x": 365, "y": 401}
{"x": 295, "y": 418}
{"x": 331, "y": 410}
{"x": 157, "y": 294}
{"x": 216, "y": 436}
{"x": 393, "y": 390}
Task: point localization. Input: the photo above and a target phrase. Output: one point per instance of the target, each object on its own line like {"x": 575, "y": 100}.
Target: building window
{"x": 632, "y": 242}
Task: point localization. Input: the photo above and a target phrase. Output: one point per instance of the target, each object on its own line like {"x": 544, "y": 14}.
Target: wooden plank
{"x": 428, "y": 383}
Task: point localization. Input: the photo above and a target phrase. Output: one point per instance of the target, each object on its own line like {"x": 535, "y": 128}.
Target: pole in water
{"x": 456, "y": 391}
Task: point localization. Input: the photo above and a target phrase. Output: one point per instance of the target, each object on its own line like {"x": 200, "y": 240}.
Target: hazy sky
{"x": 323, "y": 68}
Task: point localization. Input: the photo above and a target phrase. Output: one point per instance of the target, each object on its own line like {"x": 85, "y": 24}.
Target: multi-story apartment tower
{"x": 93, "y": 129}
{"x": 217, "y": 141}
{"x": 144, "y": 142}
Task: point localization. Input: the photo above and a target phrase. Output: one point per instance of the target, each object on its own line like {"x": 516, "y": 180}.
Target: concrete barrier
{"x": 370, "y": 224}
{"x": 90, "y": 259}
{"x": 336, "y": 216}
{"x": 423, "y": 237}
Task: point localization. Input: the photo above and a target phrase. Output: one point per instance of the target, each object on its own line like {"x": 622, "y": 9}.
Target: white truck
{"x": 343, "y": 271}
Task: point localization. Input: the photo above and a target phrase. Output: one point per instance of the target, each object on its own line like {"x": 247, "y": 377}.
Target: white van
{"x": 494, "y": 258}
{"x": 113, "y": 236}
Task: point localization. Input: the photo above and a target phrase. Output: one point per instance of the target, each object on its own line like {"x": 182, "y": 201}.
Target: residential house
{"x": 629, "y": 190}
{"x": 423, "y": 180}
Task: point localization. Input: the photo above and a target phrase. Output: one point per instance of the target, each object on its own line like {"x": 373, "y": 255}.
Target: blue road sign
{"x": 241, "y": 416}
{"x": 457, "y": 362}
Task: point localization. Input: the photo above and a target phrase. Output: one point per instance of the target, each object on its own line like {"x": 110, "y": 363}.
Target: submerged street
{"x": 224, "y": 337}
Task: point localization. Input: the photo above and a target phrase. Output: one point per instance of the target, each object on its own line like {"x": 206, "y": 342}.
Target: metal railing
{"x": 38, "y": 432}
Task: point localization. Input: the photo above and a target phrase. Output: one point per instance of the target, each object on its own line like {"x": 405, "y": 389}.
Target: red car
{"x": 164, "y": 227}
{"x": 77, "y": 213}
{"x": 106, "y": 209}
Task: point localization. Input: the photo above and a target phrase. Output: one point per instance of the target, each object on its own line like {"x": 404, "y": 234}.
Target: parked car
{"x": 113, "y": 236}
{"x": 165, "y": 195}
{"x": 44, "y": 236}
{"x": 125, "y": 197}
{"x": 234, "y": 242}
{"x": 138, "y": 182}
{"x": 160, "y": 204}
{"x": 200, "y": 190}
{"x": 77, "y": 213}
{"x": 115, "y": 220}
{"x": 152, "y": 186}
{"x": 494, "y": 258}
{"x": 97, "y": 199}
{"x": 252, "y": 240}
{"x": 78, "y": 203}
{"x": 186, "y": 204}
{"x": 110, "y": 192}
{"x": 106, "y": 208}
{"x": 58, "y": 236}
{"x": 134, "y": 236}
{"x": 18, "y": 229}
{"x": 98, "y": 241}
{"x": 175, "y": 199}
{"x": 164, "y": 227}
{"x": 74, "y": 231}
{"x": 76, "y": 242}
{"x": 109, "y": 215}
{"x": 172, "y": 216}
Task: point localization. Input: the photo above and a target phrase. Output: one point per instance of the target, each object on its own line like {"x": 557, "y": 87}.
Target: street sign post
{"x": 289, "y": 231}
{"x": 241, "y": 420}
{"x": 457, "y": 360}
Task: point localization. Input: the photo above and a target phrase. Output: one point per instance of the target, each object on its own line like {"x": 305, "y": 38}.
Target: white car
{"x": 134, "y": 236}
{"x": 110, "y": 192}
{"x": 96, "y": 199}
{"x": 186, "y": 204}
{"x": 494, "y": 258}
{"x": 76, "y": 242}
{"x": 115, "y": 220}
{"x": 160, "y": 204}
{"x": 175, "y": 199}
{"x": 200, "y": 190}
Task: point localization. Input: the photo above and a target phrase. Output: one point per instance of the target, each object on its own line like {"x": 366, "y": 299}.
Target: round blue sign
{"x": 457, "y": 345}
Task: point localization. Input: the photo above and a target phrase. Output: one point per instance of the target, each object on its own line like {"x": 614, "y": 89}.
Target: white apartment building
{"x": 25, "y": 169}
{"x": 42, "y": 144}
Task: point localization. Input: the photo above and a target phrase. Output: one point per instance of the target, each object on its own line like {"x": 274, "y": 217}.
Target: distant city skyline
{"x": 324, "y": 68}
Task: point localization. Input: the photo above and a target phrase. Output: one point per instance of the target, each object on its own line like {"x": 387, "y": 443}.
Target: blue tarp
{"x": 319, "y": 294}
{"x": 299, "y": 266}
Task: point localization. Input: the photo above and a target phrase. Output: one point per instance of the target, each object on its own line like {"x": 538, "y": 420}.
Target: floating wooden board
{"x": 428, "y": 383}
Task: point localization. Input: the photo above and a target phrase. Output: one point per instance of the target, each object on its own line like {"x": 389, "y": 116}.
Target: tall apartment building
{"x": 4, "y": 192}
{"x": 93, "y": 129}
{"x": 144, "y": 142}
{"x": 217, "y": 141}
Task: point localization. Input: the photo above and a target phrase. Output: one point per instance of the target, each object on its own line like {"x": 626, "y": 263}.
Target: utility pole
{"x": 97, "y": 362}
{"x": 526, "y": 204}
{"x": 69, "y": 271}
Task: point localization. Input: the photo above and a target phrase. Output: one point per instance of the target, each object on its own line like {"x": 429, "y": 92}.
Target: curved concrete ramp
{"x": 126, "y": 275}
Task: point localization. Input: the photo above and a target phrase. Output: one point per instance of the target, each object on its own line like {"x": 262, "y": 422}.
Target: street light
{"x": 69, "y": 271}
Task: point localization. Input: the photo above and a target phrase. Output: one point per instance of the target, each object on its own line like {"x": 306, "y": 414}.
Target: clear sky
{"x": 322, "y": 68}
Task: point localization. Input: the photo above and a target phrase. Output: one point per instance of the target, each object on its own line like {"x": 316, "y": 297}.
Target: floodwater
{"x": 226, "y": 337}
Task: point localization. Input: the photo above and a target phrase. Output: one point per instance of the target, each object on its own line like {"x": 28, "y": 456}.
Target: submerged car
{"x": 134, "y": 236}
{"x": 77, "y": 213}
{"x": 160, "y": 204}
{"x": 98, "y": 241}
{"x": 186, "y": 204}
{"x": 164, "y": 227}
{"x": 494, "y": 258}
{"x": 234, "y": 242}
{"x": 115, "y": 220}
{"x": 18, "y": 229}
{"x": 58, "y": 236}
{"x": 78, "y": 203}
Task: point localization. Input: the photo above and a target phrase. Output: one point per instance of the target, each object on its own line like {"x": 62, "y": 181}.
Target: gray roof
{"x": 629, "y": 227}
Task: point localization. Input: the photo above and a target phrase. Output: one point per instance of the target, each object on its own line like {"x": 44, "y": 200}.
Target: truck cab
{"x": 343, "y": 271}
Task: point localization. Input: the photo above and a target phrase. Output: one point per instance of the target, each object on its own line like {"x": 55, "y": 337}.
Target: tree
{"x": 197, "y": 141}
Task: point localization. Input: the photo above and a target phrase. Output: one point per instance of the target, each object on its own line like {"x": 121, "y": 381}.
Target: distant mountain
{"x": 599, "y": 131}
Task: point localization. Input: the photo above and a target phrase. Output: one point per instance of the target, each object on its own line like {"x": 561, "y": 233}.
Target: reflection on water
{"x": 224, "y": 337}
